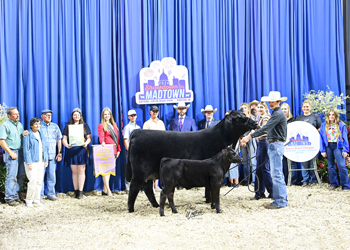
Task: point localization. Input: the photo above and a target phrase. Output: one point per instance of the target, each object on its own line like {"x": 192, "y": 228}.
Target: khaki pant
{"x": 35, "y": 177}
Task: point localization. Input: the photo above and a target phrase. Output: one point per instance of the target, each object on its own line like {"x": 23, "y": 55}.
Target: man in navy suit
{"x": 209, "y": 121}
{"x": 182, "y": 123}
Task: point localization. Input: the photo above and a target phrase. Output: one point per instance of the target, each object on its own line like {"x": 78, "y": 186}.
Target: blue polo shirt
{"x": 128, "y": 129}
{"x": 52, "y": 133}
{"x": 11, "y": 132}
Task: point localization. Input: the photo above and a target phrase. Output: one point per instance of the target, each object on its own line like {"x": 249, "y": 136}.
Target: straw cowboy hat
{"x": 208, "y": 108}
{"x": 274, "y": 96}
{"x": 253, "y": 102}
{"x": 181, "y": 105}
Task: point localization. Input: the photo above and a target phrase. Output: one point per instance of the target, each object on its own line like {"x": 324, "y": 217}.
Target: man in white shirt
{"x": 155, "y": 124}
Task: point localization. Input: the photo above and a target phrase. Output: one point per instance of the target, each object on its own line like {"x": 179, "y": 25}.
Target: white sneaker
{"x": 29, "y": 204}
{"x": 38, "y": 203}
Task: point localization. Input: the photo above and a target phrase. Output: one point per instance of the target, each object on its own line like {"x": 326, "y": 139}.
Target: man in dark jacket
{"x": 276, "y": 129}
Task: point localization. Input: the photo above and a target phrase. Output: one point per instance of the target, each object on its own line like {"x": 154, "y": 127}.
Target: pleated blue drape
{"x": 64, "y": 54}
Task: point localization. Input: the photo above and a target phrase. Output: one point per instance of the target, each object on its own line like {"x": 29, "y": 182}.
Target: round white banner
{"x": 304, "y": 142}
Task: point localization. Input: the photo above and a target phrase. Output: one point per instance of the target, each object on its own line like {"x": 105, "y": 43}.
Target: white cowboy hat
{"x": 208, "y": 108}
{"x": 274, "y": 96}
{"x": 181, "y": 105}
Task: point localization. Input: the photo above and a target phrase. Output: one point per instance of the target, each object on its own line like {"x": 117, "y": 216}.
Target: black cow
{"x": 208, "y": 173}
{"x": 148, "y": 147}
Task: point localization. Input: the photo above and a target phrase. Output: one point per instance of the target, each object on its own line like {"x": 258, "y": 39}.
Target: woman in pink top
{"x": 108, "y": 134}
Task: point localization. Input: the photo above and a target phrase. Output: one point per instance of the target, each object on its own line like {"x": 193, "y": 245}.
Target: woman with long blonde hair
{"x": 263, "y": 172}
{"x": 286, "y": 110}
{"x": 335, "y": 144}
{"x": 108, "y": 134}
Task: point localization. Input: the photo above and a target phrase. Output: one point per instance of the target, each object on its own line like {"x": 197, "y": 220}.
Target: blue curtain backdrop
{"x": 65, "y": 54}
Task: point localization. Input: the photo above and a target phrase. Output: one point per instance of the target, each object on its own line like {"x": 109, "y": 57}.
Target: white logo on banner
{"x": 164, "y": 82}
{"x": 304, "y": 142}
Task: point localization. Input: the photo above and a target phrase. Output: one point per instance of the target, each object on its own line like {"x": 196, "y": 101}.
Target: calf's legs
{"x": 163, "y": 196}
{"x": 171, "y": 201}
{"x": 215, "y": 192}
{"x": 162, "y": 199}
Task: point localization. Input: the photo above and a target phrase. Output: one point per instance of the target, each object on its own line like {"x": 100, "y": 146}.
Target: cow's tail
{"x": 127, "y": 168}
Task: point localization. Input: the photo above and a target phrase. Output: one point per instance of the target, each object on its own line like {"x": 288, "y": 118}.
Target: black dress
{"x": 77, "y": 155}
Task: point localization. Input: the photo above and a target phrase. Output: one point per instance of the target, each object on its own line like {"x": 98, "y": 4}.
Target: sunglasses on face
{"x": 132, "y": 115}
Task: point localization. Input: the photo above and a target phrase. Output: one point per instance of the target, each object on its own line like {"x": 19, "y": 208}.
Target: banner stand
{"x": 290, "y": 170}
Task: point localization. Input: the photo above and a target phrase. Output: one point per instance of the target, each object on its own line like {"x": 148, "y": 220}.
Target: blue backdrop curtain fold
{"x": 88, "y": 53}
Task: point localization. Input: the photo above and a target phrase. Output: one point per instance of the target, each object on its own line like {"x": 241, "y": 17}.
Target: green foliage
{"x": 322, "y": 101}
{"x": 2, "y": 177}
{"x": 347, "y": 164}
{"x": 322, "y": 168}
{"x": 3, "y": 115}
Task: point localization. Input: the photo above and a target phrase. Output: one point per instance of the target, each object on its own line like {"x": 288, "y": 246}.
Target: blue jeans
{"x": 334, "y": 152}
{"x": 263, "y": 172}
{"x": 233, "y": 171}
{"x": 308, "y": 175}
{"x": 244, "y": 152}
{"x": 294, "y": 180}
{"x": 279, "y": 189}
{"x": 15, "y": 174}
{"x": 50, "y": 179}
{"x": 252, "y": 151}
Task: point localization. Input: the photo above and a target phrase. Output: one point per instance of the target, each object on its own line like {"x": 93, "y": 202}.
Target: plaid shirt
{"x": 52, "y": 133}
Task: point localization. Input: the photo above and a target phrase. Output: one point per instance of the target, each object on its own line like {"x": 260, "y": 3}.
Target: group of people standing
{"x": 37, "y": 151}
{"x": 269, "y": 139}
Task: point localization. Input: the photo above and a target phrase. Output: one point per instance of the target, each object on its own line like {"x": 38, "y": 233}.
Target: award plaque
{"x": 76, "y": 135}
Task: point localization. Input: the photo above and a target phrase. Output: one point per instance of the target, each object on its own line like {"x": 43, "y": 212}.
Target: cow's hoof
{"x": 207, "y": 200}
{"x": 162, "y": 215}
{"x": 213, "y": 206}
{"x": 155, "y": 205}
{"x": 175, "y": 212}
{"x": 131, "y": 210}
{"x": 219, "y": 211}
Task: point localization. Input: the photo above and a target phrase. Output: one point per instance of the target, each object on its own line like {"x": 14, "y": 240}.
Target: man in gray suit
{"x": 209, "y": 121}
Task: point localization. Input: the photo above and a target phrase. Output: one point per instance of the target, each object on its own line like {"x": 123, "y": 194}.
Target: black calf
{"x": 208, "y": 173}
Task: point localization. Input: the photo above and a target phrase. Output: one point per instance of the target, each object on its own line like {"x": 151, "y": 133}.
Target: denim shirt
{"x": 52, "y": 133}
{"x": 31, "y": 148}
{"x": 342, "y": 142}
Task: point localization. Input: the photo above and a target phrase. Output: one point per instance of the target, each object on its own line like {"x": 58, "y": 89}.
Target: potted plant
{"x": 322, "y": 101}
{"x": 3, "y": 118}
